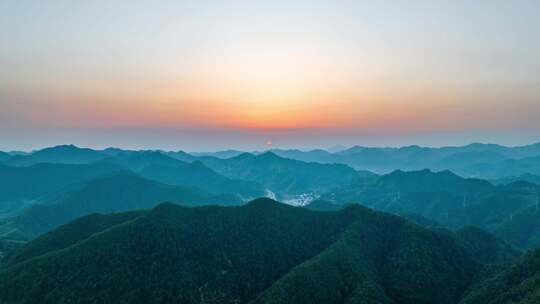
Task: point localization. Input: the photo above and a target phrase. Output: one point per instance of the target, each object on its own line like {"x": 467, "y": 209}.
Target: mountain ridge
{"x": 256, "y": 253}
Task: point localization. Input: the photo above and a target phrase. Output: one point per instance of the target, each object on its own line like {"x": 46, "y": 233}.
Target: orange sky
{"x": 343, "y": 67}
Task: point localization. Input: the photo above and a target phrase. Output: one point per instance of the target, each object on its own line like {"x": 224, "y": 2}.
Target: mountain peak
{"x": 269, "y": 155}
{"x": 68, "y": 147}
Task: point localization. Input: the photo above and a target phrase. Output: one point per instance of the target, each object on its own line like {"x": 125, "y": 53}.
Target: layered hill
{"x": 433, "y": 195}
{"x": 65, "y": 154}
{"x": 488, "y": 161}
{"x": 509, "y": 211}
{"x": 45, "y": 182}
{"x": 157, "y": 166}
{"x": 286, "y": 177}
{"x": 474, "y": 160}
{"x": 120, "y": 192}
{"x": 263, "y": 252}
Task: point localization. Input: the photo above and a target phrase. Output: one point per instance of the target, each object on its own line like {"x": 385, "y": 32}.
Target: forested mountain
{"x": 196, "y": 174}
{"x": 517, "y": 284}
{"x": 286, "y": 177}
{"x": 22, "y": 186}
{"x": 321, "y": 205}
{"x": 150, "y": 164}
{"x": 120, "y": 192}
{"x": 263, "y": 252}
{"x": 521, "y": 228}
{"x": 67, "y": 235}
{"x": 452, "y": 201}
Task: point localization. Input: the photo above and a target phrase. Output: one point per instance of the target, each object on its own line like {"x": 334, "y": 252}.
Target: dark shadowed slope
{"x": 181, "y": 254}
{"x": 521, "y": 229}
{"x": 485, "y": 247}
{"x": 21, "y": 186}
{"x": 264, "y": 252}
{"x": 4, "y": 156}
{"x": 516, "y": 284}
{"x": 71, "y": 233}
{"x": 321, "y": 205}
{"x": 117, "y": 193}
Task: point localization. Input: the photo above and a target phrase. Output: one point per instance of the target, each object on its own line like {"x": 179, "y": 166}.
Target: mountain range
{"x": 120, "y": 192}
{"x": 443, "y": 198}
{"x": 488, "y": 161}
{"x": 263, "y": 252}
{"x": 121, "y": 226}
{"x": 474, "y": 160}
{"x": 453, "y": 202}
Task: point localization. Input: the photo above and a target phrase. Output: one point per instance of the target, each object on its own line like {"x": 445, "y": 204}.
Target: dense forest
{"x": 262, "y": 252}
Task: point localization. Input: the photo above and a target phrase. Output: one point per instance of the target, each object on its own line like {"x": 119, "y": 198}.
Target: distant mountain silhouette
{"x": 219, "y": 154}
{"x": 488, "y": 161}
{"x": 474, "y": 160}
{"x": 318, "y": 155}
{"x": 66, "y": 154}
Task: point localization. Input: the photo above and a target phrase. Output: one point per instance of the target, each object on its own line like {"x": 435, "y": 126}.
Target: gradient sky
{"x": 206, "y": 75}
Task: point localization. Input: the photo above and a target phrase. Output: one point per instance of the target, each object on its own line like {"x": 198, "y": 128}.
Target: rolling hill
{"x": 474, "y": 160}
{"x": 263, "y": 252}
{"x": 65, "y": 154}
{"x": 286, "y": 177}
{"x": 452, "y": 201}
{"x": 44, "y": 182}
{"x": 120, "y": 192}
{"x": 159, "y": 167}
{"x": 518, "y": 284}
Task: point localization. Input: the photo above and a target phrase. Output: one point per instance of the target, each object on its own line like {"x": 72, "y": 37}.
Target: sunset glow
{"x": 349, "y": 71}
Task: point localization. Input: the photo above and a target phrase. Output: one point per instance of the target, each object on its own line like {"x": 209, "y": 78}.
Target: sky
{"x": 212, "y": 75}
